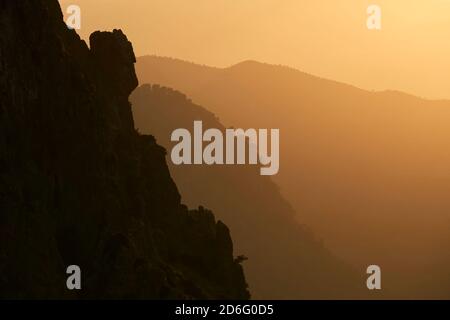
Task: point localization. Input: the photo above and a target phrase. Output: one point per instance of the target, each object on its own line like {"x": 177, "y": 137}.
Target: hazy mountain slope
{"x": 368, "y": 171}
{"x": 285, "y": 261}
{"x": 78, "y": 184}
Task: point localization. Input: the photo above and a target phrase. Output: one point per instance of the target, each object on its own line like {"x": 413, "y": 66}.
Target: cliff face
{"x": 285, "y": 260}
{"x": 78, "y": 184}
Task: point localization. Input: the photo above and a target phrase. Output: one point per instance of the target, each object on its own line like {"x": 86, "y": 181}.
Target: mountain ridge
{"x": 250, "y": 62}
{"x": 365, "y": 170}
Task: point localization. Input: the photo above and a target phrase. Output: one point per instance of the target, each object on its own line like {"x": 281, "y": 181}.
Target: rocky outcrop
{"x": 78, "y": 184}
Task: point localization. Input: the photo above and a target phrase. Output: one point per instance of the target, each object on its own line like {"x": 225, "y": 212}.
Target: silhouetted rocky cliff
{"x": 78, "y": 184}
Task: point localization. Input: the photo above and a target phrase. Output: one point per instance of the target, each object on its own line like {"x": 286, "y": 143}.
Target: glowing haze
{"x": 325, "y": 38}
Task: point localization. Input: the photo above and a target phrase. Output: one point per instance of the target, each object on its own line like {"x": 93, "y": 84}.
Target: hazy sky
{"x": 328, "y": 38}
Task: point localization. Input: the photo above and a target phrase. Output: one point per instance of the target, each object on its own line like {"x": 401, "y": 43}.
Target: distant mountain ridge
{"x": 367, "y": 171}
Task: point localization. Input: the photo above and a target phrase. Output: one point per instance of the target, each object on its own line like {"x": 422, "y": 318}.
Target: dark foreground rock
{"x": 78, "y": 184}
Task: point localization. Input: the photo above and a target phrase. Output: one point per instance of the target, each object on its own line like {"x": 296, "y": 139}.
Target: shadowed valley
{"x": 367, "y": 171}
{"x": 285, "y": 260}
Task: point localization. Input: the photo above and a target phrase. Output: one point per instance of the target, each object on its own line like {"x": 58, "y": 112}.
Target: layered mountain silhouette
{"x": 78, "y": 184}
{"x": 285, "y": 260}
{"x": 367, "y": 171}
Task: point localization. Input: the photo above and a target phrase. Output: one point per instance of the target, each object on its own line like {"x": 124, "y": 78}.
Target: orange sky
{"x": 326, "y": 38}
